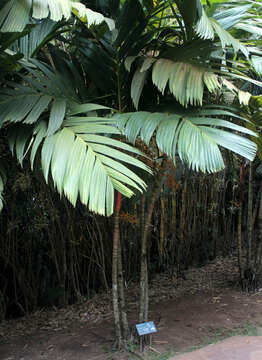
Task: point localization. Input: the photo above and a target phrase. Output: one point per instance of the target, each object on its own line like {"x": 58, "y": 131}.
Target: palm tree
{"x": 191, "y": 62}
{"x": 71, "y": 86}
{"x": 44, "y": 87}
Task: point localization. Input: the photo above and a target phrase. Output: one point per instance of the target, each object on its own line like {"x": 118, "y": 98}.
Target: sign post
{"x": 144, "y": 329}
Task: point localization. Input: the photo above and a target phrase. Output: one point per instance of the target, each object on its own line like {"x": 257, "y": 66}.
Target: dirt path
{"x": 235, "y": 348}
{"x": 187, "y": 315}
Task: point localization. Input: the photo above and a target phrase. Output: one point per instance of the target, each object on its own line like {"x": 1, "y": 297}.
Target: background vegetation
{"x": 54, "y": 254}
{"x": 80, "y": 82}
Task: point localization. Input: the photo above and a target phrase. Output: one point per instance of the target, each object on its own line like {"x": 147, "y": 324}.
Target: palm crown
{"x": 73, "y": 79}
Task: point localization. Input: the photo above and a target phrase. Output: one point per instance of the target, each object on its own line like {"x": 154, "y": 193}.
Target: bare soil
{"x": 233, "y": 348}
{"x": 203, "y": 308}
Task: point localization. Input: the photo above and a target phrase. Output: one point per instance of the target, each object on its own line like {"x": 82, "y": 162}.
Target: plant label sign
{"x": 146, "y": 328}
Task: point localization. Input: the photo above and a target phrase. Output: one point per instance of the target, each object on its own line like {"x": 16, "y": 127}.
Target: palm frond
{"x": 250, "y": 27}
{"x": 186, "y": 81}
{"x": 194, "y": 137}
{"x": 228, "y": 15}
{"x": 16, "y": 14}
{"x": 42, "y": 89}
{"x": 137, "y": 85}
{"x": 84, "y": 160}
{"x": 253, "y": 112}
{"x": 207, "y": 28}
{"x": 91, "y": 17}
{"x": 257, "y": 63}
{"x": 191, "y": 11}
{"x": 35, "y": 39}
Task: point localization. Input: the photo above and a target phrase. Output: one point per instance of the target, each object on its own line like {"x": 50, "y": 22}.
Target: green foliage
{"x": 191, "y": 12}
{"x": 190, "y": 133}
{"x": 15, "y": 15}
{"x": 52, "y": 238}
{"x": 146, "y": 53}
{"x": 253, "y": 112}
{"x": 186, "y": 81}
{"x": 83, "y": 162}
{"x": 72, "y": 76}
{"x": 36, "y": 38}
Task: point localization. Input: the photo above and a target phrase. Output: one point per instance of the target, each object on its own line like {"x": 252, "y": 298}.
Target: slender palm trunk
{"x": 121, "y": 293}
{"x": 239, "y": 226}
{"x": 173, "y": 231}
{"x": 259, "y": 239}
{"x": 115, "y": 290}
{"x": 181, "y": 228}
{"x": 162, "y": 228}
{"x": 142, "y": 214}
{"x": 239, "y": 244}
{"x": 144, "y": 301}
{"x": 250, "y": 217}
